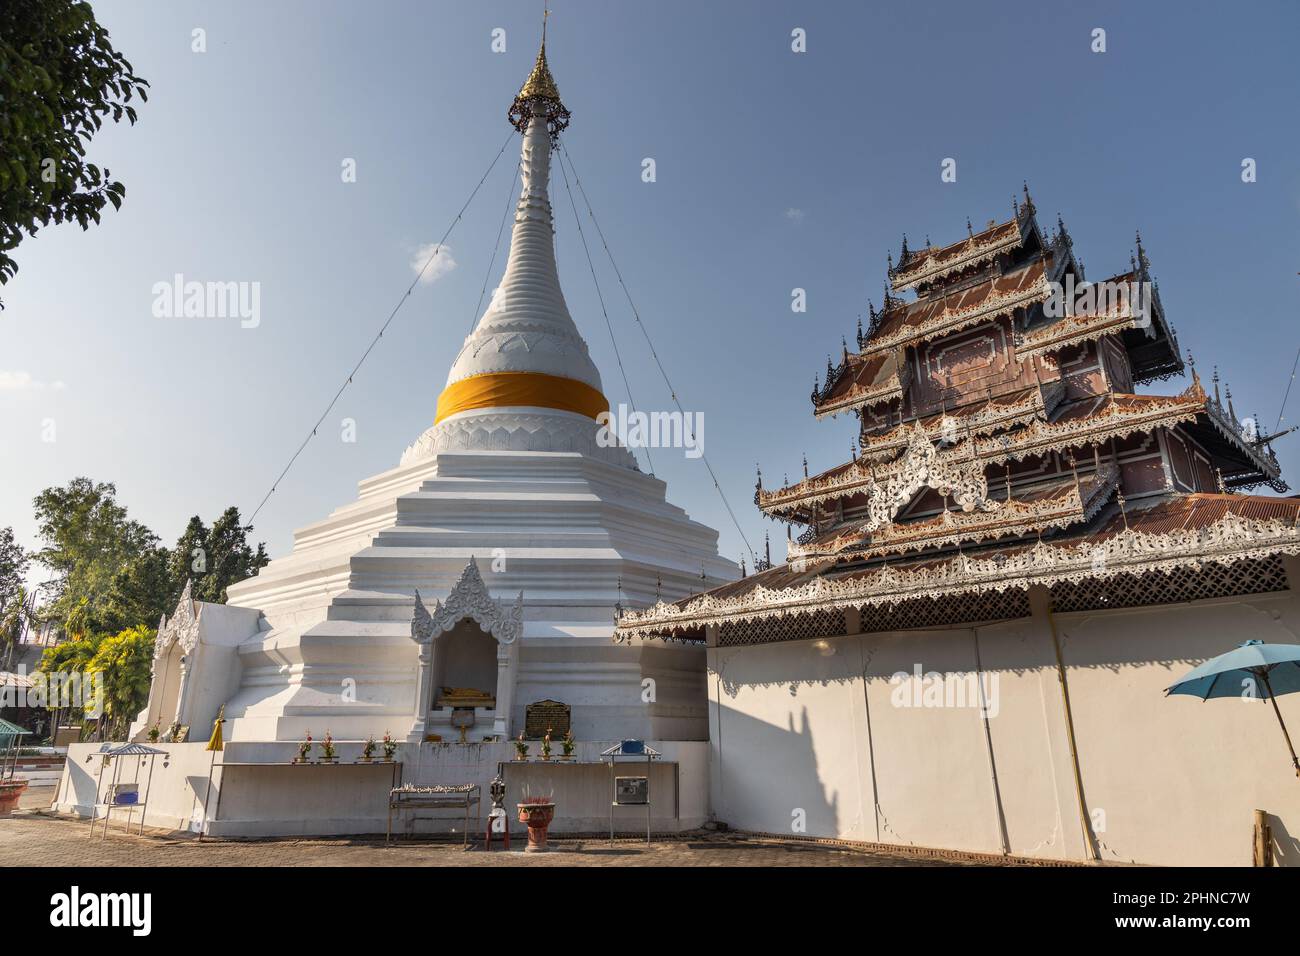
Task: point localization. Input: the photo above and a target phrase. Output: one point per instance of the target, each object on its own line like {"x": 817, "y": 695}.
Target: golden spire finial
{"x": 540, "y": 86}
{"x": 540, "y": 83}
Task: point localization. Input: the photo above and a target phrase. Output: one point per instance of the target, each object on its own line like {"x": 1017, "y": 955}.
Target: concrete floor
{"x": 34, "y": 838}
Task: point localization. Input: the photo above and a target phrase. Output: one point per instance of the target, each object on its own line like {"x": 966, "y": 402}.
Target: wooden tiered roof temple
{"x": 1003, "y": 445}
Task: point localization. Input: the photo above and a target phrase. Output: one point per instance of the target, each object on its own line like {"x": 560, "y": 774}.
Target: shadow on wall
{"x": 774, "y": 784}
{"x": 788, "y": 742}
{"x": 1286, "y": 848}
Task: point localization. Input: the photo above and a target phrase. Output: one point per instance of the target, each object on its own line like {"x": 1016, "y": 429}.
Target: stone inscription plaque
{"x": 546, "y": 715}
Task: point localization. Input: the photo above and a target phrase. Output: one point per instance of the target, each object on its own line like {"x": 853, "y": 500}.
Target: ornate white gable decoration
{"x": 1230, "y": 539}
{"x": 469, "y": 600}
{"x": 920, "y": 467}
{"x": 183, "y": 626}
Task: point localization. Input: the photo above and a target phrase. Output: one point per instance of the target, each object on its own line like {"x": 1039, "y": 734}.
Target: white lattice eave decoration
{"x": 1009, "y": 519}
{"x": 891, "y": 389}
{"x": 990, "y": 419}
{"x": 1226, "y": 541}
{"x": 1074, "y": 330}
{"x": 1036, "y": 438}
{"x": 948, "y": 322}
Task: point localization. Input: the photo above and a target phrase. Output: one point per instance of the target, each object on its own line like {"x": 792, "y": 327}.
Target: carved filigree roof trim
{"x": 1061, "y": 503}
{"x": 887, "y": 384}
{"x": 1027, "y": 288}
{"x": 469, "y": 600}
{"x": 981, "y": 418}
{"x": 1073, "y": 330}
{"x": 1228, "y": 539}
{"x": 182, "y": 626}
{"x": 1108, "y": 417}
{"x": 939, "y": 262}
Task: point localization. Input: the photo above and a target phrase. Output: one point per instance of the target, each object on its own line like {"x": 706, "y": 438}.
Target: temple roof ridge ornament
{"x": 469, "y": 599}
{"x": 182, "y": 626}
{"x": 1033, "y": 287}
{"x": 935, "y": 263}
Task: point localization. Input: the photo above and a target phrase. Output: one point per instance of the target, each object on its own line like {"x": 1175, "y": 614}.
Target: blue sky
{"x": 775, "y": 170}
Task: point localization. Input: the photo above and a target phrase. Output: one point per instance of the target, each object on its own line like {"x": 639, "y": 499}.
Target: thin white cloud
{"x": 23, "y": 382}
{"x": 794, "y": 215}
{"x": 438, "y": 265}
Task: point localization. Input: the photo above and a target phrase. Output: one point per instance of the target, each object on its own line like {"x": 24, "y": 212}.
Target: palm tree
{"x": 17, "y": 616}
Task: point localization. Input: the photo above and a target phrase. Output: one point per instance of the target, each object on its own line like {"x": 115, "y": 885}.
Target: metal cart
{"x": 629, "y": 750}
{"x": 112, "y": 757}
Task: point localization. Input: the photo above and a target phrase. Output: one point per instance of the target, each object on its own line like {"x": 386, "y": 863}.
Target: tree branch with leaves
{"x": 60, "y": 78}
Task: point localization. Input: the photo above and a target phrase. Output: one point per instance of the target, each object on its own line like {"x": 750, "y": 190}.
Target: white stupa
{"x": 519, "y": 532}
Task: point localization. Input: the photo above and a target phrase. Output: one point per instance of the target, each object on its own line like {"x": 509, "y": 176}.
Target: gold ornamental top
{"x": 540, "y": 83}
{"x": 539, "y": 96}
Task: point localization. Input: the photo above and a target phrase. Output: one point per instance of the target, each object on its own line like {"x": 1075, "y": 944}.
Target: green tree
{"x": 89, "y": 541}
{"x": 59, "y": 79}
{"x": 140, "y": 593}
{"x": 14, "y": 600}
{"x": 189, "y": 559}
{"x": 125, "y": 660}
{"x": 16, "y": 616}
{"x": 13, "y": 566}
{"x": 70, "y": 657}
{"x": 230, "y": 558}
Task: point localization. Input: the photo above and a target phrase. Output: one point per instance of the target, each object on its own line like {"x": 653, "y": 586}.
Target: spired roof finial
{"x": 539, "y": 95}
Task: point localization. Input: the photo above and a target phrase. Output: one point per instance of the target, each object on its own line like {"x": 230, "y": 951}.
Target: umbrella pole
{"x": 1273, "y": 697}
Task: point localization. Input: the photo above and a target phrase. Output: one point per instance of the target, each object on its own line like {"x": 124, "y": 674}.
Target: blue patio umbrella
{"x": 1242, "y": 671}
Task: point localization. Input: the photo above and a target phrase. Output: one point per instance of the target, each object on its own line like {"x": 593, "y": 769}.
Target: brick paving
{"x": 33, "y": 838}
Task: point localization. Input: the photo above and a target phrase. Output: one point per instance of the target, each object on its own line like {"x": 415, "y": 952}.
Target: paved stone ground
{"x": 33, "y": 838}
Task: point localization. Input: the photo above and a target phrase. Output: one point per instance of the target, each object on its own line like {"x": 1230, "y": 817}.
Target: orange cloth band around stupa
{"x": 505, "y": 389}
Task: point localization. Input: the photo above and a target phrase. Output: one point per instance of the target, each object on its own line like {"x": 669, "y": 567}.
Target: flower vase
{"x": 538, "y": 817}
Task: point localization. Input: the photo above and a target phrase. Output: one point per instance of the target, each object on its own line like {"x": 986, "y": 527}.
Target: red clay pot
{"x": 11, "y": 792}
{"x": 538, "y": 816}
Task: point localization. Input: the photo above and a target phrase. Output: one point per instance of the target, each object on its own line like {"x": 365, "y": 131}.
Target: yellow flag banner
{"x": 504, "y": 389}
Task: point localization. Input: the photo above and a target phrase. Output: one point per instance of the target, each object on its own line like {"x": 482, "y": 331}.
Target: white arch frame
{"x": 469, "y": 600}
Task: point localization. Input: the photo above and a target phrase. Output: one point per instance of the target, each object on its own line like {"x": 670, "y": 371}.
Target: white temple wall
{"x": 1030, "y": 745}
{"x": 928, "y": 761}
{"x": 290, "y": 687}
{"x": 1179, "y": 779}
{"x": 212, "y": 675}
{"x": 1166, "y": 780}
{"x": 605, "y": 685}
{"x": 351, "y": 799}
{"x": 174, "y": 794}
{"x": 787, "y": 740}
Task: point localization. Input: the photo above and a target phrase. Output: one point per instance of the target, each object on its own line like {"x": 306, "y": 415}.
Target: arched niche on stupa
{"x": 175, "y": 648}
{"x": 464, "y": 667}
{"x": 469, "y": 655}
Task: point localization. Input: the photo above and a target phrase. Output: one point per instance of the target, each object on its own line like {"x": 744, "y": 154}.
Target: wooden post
{"x": 1263, "y": 848}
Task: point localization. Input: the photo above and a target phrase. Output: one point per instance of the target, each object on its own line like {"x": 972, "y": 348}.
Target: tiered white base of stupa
{"x": 329, "y": 638}
{"x": 562, "y": 528}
